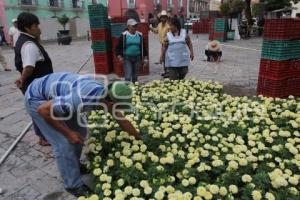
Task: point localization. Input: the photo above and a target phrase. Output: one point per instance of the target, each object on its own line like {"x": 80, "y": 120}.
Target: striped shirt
{"x": 67, "y": 91}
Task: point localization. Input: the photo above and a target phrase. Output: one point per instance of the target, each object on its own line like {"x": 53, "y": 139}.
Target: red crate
{"x": 278, "y": 88}
{"x": 103, "y": 62}
{"x": 115, "y": 42}
{"x": 99, "y": 35}
{"x": 118, "y": 68}
{"x": 102, "y": 68}
{"x": 282, "y": 29}
{"x": 278, "y": 70}
{"x": 120, "y": 19}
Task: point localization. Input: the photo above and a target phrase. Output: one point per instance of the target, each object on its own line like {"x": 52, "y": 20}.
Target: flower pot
{"x": 230, "y": 35}
{"x": 63, "y": 37}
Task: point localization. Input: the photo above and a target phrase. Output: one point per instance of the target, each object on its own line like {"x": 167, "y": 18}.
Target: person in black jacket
{"x": 31, "y": 59}
{"x": 131, "y": 51}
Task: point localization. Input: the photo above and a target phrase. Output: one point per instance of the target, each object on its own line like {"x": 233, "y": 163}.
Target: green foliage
{"x": 258, "y": 9}
{"x": 63, "y": 20}
{"x": 232, "y": 7}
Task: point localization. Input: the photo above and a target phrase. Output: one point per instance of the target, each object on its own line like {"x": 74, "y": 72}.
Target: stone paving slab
{"x": 31, "y": 173}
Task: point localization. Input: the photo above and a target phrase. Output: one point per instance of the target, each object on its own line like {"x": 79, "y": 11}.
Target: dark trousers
{"x": 177, "y": 73}
{"x": 131, "y": 68}
{"x": 213, "y": 55}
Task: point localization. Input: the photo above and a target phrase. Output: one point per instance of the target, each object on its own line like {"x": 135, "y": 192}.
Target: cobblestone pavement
{"x": 30, "y": 172}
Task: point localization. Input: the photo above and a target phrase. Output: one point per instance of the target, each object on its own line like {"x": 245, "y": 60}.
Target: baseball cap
{"x": 131, "y": 22}
{"x": 120, "y": 91}
{"x": 14, "y": 20}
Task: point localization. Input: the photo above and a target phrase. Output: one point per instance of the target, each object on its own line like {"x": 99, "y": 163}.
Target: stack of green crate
{"x": 101, "y": 43}
{"x": 220, "y": 25}
{"x": 103, "y": 46}
{"x": 98, "y": 15}
{"x": 218, "y": 29}
{"x": 281, "y": 49}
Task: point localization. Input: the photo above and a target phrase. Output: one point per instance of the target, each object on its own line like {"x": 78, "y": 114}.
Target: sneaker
{"x": 80, "y": 191}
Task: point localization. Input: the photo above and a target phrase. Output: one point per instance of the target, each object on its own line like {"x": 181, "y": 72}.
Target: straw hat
{"x": 163, "y": 13}
{"x": 214, "y": 45}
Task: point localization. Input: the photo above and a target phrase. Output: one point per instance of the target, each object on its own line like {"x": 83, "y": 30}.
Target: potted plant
{"x": 63, "y": 36}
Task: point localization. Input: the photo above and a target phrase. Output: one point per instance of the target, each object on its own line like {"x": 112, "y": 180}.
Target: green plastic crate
{"x": 117, "y": 29}
{"x": 230, "y": 35}
{"x": 281, "y": 50}
{"x": 220, "y": 39}
{"x": 96, "y": 22}
{"x": 97, "y": 7}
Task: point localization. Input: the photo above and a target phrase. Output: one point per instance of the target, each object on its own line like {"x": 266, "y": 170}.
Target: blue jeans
{"x": 131, "y": 68}
{"x": 67, "y": 155}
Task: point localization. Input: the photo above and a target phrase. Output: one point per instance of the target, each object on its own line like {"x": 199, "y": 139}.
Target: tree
{"x": 258, "y": 9}
{"x": 231, "y": 8}
{"x": 63, "y": 20}
{"x": 248, "y": 12}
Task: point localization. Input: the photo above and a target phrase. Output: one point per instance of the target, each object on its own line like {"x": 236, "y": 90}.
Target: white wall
{"x": 82, "y": 26}
{"x": 50, "y": 28}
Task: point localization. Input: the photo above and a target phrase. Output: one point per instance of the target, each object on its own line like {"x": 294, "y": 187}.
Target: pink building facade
{"x": 3, "y": 20}
{"x": 144, "y": 7}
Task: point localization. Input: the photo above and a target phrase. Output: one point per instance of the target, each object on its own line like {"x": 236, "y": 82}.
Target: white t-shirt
{"x": 30, "y": 54}
{"x": 15, "y": 33}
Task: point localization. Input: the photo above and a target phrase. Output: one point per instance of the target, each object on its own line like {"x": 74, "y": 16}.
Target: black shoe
{"x": 81, "y": 191}
{"x": 83, "y": 169}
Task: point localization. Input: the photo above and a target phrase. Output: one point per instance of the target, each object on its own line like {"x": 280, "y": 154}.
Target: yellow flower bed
{"x": 198, "y": 143}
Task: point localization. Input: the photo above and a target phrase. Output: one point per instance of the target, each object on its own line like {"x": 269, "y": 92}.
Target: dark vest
{"x": 41, "y": 68}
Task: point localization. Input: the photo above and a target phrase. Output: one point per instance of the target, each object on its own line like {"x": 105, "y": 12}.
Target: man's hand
{"x": 75, "y": 138}
{"x": 19, "y": 83}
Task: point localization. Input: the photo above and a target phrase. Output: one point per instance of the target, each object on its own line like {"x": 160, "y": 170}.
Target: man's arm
{"x": 44, "y": 111}
{"x": 122, "y": 121}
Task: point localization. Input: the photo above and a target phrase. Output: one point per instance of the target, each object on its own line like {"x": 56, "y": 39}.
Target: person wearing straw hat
{"x": 131, "y": 51}
{"x": 56, "y": 103}
{"x": 162, "y": 29}
{"x": 213, "y": 51}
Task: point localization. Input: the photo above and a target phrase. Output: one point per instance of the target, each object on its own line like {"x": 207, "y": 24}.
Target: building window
{"x": 131, "y": 3}
{"x": 28, "y": 2}
{"x": 170, "y": 3}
